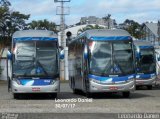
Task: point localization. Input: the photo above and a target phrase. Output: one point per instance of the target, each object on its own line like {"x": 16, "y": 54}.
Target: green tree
{"x": 107, "y": 20}
{"x": 4, "y": 18}
{"x": 17, "y": 22}
{"x": 89, "y": 27}
{"x": 10, "y": 21}
{"x": 5, "y": 3}
{"x": 134, "y": 28}
{"x": 43, "y": 25}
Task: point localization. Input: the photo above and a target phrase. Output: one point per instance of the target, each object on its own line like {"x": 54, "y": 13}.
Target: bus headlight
{"x": 95, "y": 81}
{"x": 54, "y": 80}
{"x": 17, "y": 81}
{"x": 153, "y": 76}
{"x": 129, "y": 80}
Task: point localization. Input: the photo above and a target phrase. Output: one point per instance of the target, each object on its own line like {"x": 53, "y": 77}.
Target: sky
{"x": 138, "y": 10}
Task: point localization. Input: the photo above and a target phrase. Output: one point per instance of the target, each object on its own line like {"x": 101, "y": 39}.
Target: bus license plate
{"x": 141, "y": 82}
{"x": 113, "y": 88}
{"x": 36, "y": 89}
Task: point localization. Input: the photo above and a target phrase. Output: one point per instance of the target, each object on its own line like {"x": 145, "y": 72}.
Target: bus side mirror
{"x": 85, "y": 54}
{"x": 137, "y": 69}
{"x": 158, "y": 57}
{"x": 9, "y": 55}
{"x": 138, "y": 55}
{"x": 62, "y": 54}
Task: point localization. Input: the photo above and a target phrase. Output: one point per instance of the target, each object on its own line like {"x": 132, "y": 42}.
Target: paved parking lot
{"x": 141, "y": 101}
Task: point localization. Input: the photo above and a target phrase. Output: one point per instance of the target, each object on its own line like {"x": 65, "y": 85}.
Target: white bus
{"x": 34, "y": 59}
{"x": 145, "y": 63}
{"x": 103, "y": 61}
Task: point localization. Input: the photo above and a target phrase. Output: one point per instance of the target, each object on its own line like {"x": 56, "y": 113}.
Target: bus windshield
{"x": 111, "y": 58}
{"x": 35, "y": 58}
{"x": 147, "y": 62}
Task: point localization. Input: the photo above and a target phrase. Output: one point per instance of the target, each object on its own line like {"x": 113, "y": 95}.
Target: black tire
{"x": 88, "y": 94}
{"x": 9, "y": 84}
{"x": 149, "y": 87}
{"x": 15, "y": 95}
{"x": 137, "y": 87}
{"x": 71, "y": 82}
{"x": 75, "y": 91}
{"x": 126, "y": 94}
{"x": 53, "y": 95}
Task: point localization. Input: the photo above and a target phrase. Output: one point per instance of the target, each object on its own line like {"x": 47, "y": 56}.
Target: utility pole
{"x": 62, "y": 13}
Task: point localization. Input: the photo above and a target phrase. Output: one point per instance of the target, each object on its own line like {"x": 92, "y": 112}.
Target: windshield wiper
{"x": 39, "y": 64}
{"x": 42, "y": 67}
{"x": 115, "y": 62}
{"x": 108, "y": 70}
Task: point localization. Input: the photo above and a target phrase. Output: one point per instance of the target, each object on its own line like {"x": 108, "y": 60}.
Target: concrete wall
{"x": 4, "y": 69}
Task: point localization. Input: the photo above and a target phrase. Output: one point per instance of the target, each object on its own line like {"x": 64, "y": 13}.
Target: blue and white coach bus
{"x": 103, "y": 61}
{"x": 34, "y": 57}
{"x": 145, "y": 63}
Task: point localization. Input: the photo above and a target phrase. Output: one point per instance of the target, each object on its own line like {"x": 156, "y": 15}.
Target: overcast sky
{"x": 138, "y": 10}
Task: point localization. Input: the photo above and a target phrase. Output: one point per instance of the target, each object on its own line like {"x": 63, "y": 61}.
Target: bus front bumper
{"x": 54, "y": 88}
{"x": 140, "y": 82}
{"x": 125, "y": 87}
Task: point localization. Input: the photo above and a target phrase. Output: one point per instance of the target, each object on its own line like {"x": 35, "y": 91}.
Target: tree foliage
{"x": 17, "y": 22}
{"x": 134, "y": 28}
{"x": 5, "y": 3}
{"x": 43, "y": 25}
{"x": 89, "y": 27}
{"x": 10, "y": 21}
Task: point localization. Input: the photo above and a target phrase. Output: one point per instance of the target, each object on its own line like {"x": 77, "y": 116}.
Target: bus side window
{"x": 79, "y": 50}
{"x": 158, "y": 57}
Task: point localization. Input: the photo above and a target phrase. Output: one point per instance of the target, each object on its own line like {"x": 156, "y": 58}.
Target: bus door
{"x": 78, "y": 66}
{"x": 8, "y": 69}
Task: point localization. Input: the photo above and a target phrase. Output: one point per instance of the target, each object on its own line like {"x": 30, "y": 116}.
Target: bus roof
{"x": 19, "y": 35}
{"x": 105, "y": 34}
{"x": 142, "y": 43}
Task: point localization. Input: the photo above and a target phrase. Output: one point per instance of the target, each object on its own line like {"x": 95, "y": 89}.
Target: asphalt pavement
{"x": 141, "y": 101}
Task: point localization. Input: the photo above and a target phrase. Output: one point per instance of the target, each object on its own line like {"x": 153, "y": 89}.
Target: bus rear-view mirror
{"x": 138, "y": 55}
{"x": 9, "y": 55}
{"x": 62, "y": 54}
{"x": 158, "y": 57}
{"x": 85, "y": 52}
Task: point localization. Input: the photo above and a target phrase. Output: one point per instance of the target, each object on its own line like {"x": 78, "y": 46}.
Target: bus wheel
{"x": 137, "y": 87}
{"x": 75, "y": 91}
{"x": 149, "y": 87}
{"x": 53, "y": 95}
{"x": 88, "y": 94}
{"x": 126, "y": 94}
{"x": 15, "y": 95}
{"x": 71, "y": 82}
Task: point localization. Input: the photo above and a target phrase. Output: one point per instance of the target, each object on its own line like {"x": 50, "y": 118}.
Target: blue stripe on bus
{"x": 145, "y": 76}
{"x": 145, "y": 47}
{"x": 35, "y": 82}
{"x": 35, "y": 39}
{"x": 114, "y": 79}
{"x": 111, "y": 38}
